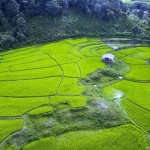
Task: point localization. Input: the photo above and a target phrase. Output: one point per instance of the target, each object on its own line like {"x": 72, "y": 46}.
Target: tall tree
{"x": 12, "y": 8}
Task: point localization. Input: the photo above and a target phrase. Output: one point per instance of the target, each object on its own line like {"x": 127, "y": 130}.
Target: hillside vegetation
{"x": 39, "y": 21}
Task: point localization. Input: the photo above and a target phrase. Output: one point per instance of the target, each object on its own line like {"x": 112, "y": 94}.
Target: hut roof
{"x": 110, "y": 56}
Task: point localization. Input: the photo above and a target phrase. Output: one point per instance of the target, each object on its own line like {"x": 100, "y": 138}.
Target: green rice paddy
{"x": 123, "y": 137}
{"x": 62, "y": 96}
{"x": 7, "y": 127}
{"x": 41, "y": 110}
{"x": 74, "y": 101}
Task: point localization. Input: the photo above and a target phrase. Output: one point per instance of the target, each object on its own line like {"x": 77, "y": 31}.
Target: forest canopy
{"x": 15, "y": 15}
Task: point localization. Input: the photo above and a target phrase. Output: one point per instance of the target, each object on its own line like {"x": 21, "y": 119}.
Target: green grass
{"x": 74, "y": 101}
{"x": 37, "y": 57}
{"x": 13, "y": 51}
{"x": 41, "y": 110}
{"x": 85, "y": 50}
{"x": 17, "y": 62}
{"x": 19, "y": 106}
{"x": 141, "y": 55}
{"x": 139, "y": 72}
{"x": 140, "y": 116}
{"x": 119, "y": 138}
{"x": 65, "y": 58}
{"x": 118, "y": 54}
{"x": 56, "y": 48}
{"x": 18, "y": 54}
{"x": 7, "y": 127}
{"x": 33, "y": 65}
{"x": 4, "y": 67}
{"x": 126, "y": 137}
{"x": 89, "y": 65}
{"x": 29, "y": 54}
{"x": 69, "y": 87}
{"x": 71, "y": 70}
{"x": 129, "y": 51}
{"x": 38, "y": 87}
{"x": 132, "y": 60}
{"x": 136, "y": 92}
{"x": 12, "y": 147}
{"x": 31, "y": 74}
{"x": 101, "y": 52}
{"x": 112, "y": 93}
{"x": 145, "y": 49}
{"x": 75, "y": 52}
{"x": 42, "y": 144}
{"x": 81, "y": 40}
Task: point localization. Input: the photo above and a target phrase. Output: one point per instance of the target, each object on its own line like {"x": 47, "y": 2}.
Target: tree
{"x": 4, "y": 23}
{"x": 140, "y": 14}
{"x": 1, "y": 15}
{"x": 52, "y": 8}
{"x": 64, "y": 5}
{"x": 97, "y": 10}
{"x": 12, "y": 8}
{"x": 33, "y": 8}
{"x": 110, "y": 14}
{"x": 20, "y": 36}
{"x": 21, "y": 22}
{"x": 135, "y": 29}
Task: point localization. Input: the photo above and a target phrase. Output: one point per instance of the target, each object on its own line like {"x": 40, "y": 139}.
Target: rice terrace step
{"x": 62, "y": 96}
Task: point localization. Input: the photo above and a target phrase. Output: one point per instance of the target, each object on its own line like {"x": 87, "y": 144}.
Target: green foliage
{"x": 42, "y": 144}
{"x": 19, "y": 106}
{"x": 110, "y": 72}
{"x": 41, "y": 110}
{"x": 12, "y": 8}
{"x": 124, "y": 137}
{"x": 7, "y": 127}
{"x": 139, "y": 115}
{"x": 21, "y": 22}
{"x": 74, "y": 101}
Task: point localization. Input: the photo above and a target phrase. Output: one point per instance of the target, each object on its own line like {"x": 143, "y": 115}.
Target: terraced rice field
{"x": 43, "y": 101}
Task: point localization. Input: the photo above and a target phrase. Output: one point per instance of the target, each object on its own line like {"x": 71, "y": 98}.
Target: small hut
{"x": 109, "y": 58}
